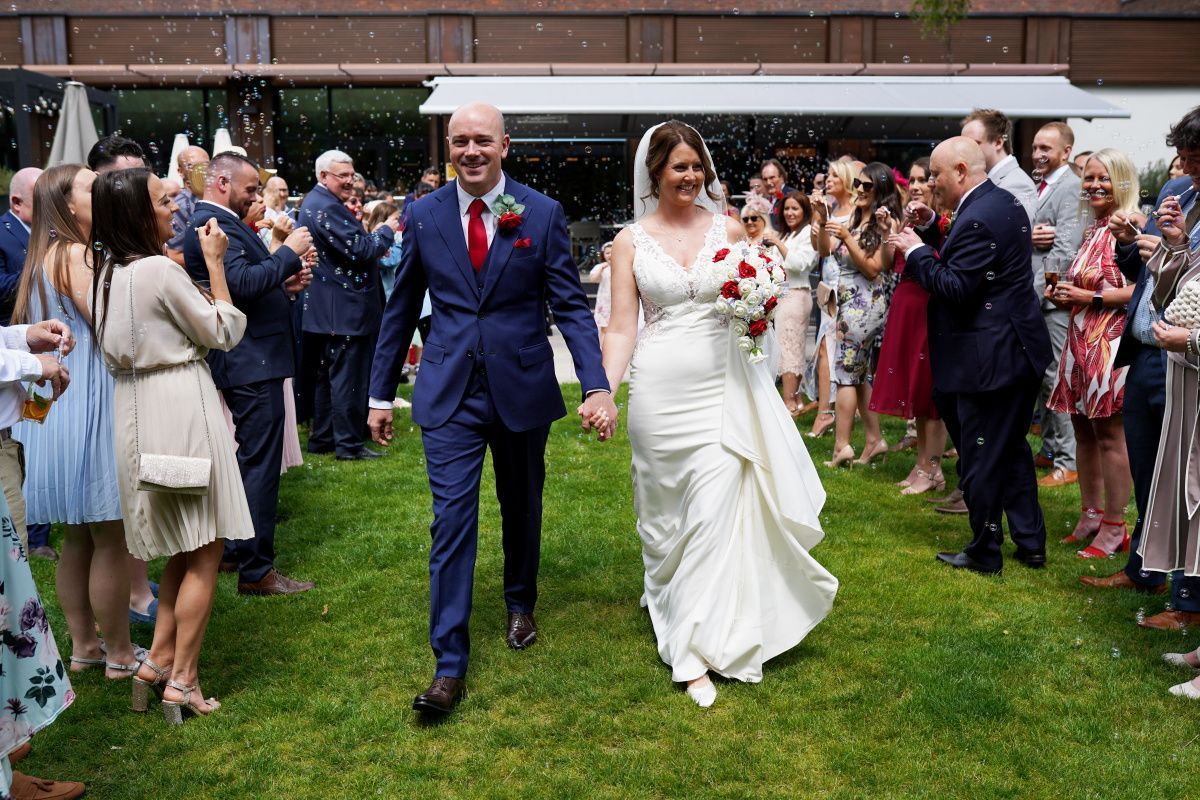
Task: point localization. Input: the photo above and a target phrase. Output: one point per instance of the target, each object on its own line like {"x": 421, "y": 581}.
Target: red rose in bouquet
{"x": 509, "y": 221}
{"x": 769, "y": 306}
{"x": 730, "y": 290}
{"x": 758, "y": 327}
{"x": 746, "y": 271}
{"x": 720, "y": 254}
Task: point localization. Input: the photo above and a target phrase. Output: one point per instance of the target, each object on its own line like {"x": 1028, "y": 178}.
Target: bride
{"x": 726, "y": 496}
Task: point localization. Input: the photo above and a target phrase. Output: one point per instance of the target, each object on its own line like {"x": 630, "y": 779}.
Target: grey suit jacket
{"x": 1016, "y": 182}
{"x": 1059, "y": 207}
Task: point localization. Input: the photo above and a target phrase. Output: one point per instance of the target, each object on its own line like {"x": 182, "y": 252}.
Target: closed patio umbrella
{"x": 76, "y": 131}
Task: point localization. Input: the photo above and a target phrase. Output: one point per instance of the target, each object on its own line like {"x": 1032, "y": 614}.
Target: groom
{"x": 491, "y": 253}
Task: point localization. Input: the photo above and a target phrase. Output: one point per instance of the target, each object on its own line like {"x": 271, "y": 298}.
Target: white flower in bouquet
{"x": 757, "y": 313}
{"x": 755, "y": 298}
{"x": 739, "y": 328}
{"x": 747, "y": 285}
{"x": 740, "y": 309}
{"x": 731, "y": 275}
{"x": 778, "y": 275}
{"x": 757, "y": 355}
{"x": 745, "y": 344}
{"x": 722, "y": 306}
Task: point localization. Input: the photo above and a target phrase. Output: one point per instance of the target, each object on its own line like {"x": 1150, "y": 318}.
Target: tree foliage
{"x": 936, "y": 16}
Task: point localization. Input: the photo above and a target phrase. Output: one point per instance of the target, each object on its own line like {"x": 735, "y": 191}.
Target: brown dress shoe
{"x": 1059, "y": 477}
{"x": 958, "y": 506}
{"x": 1119, "y": 580}
{"x": 522, "y": 631}
{"x": 25, "y": 787}
{"x": 1172, "y": 620}
{"x": 1041, "y": 462}
{"x": 45, "y": 551}
{"x": 228, "y": 566}
{"x": 953, "y": 497}
{"x": 441, "y": 697}
{"x": 18, "y": 755}
{"x": 275, "y": 582}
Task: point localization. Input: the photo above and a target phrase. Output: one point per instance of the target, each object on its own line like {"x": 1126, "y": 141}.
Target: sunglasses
{"x": 752, "y": 218}
{"x": 866, "y": 186}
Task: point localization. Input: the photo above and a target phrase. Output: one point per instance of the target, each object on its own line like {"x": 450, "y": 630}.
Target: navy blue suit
{"x": 14, "y": 241}
{"x": 342, "y": 309}
{"x": 487, "y": 381}
{"x": 251, "y": 375}
{"x": 988, "y": 348}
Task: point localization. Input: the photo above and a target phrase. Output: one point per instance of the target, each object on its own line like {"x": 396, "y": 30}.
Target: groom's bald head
{"x": 478, "y": 145}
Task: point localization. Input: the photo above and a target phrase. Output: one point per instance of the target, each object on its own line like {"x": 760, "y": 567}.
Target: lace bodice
{"x": 665, "y": 286}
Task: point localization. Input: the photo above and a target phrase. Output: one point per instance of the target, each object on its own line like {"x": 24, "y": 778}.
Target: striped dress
{"x": 70, "y": 462}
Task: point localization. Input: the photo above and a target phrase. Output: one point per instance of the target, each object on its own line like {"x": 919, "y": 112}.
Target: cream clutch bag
{"x": 1184, "y": 310}
{"x": 175, "y": 474}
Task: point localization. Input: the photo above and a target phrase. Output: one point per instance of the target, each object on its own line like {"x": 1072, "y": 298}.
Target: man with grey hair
{"x": 14, "y": 237}
{"x": 342, "y": 309}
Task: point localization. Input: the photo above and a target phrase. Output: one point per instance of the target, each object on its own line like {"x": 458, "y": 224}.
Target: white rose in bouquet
{"x": 740, "y": 309}
{"x": 731, "y": 275}
{"x": 722, "y": 306}
{"x": 755, "y": 298}
{"x": 739, "y": 328}
{"x": 745, "y": 343}
{"x": 757, "y": 313}
{"x": 777, "y": 275}
{"x": 747, "y": 285}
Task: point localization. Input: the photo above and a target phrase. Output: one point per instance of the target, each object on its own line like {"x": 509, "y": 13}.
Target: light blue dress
{"x": 70, "y": 461}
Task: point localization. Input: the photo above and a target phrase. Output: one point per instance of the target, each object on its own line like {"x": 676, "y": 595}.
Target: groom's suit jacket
{"x": 985, "y": 323}
{"x": 491, "y": 320}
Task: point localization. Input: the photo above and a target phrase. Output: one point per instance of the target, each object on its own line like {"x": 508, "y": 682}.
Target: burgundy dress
{"x": 904, "y": 378}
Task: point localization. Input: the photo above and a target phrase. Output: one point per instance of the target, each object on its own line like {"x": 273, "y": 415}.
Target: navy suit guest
{"x": 988, "y": 349}
{"x": 774, "y": 180}
{"x": 342, "y": 309}
{"x": 251, "y": 375}
{"x": 487, "y": 375}
{"x": 14, "y": 241}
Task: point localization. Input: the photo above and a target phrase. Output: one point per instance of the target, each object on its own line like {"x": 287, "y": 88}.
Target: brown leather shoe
{"x": 441, "y": 697}
{"x": 228, "y": 566}
{"x": 1059, "y": 477}
{"x": 45, "y": 551}
{"x": 1172, "y": 620}
{"x": 1119, "y": 580}
{"x": 19, "y": 755}
{"x": 953, "y": 497}
{"x": 25, "y": 787}
{"x": 275, "y": 582}
{"x": 522, "y": 630}
{"x": 958, "y": 506}
{"x": 1041, "y": 462}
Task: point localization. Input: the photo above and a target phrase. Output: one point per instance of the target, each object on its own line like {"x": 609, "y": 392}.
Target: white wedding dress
{"x": 727, "y": 498}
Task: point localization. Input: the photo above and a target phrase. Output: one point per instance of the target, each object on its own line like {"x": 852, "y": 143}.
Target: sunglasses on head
{"x": 866, "y": 186}
{"x": 752, "y": 218}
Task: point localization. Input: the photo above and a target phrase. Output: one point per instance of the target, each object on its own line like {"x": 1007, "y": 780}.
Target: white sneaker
{"x": 705, "y": 694}
{"x": 1178, "y": 660}
{"x": 1185, "y": 690}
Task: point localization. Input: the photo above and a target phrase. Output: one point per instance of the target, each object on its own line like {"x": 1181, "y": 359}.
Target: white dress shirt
{"x": 1053, "y": 176}
{"x": 17, "y": 365}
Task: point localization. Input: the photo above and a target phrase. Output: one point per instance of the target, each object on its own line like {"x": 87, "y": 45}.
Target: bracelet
{"x": 1189, "y": 343}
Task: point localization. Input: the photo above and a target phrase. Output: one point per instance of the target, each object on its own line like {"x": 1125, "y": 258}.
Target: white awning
{"x": 826, "y": 95}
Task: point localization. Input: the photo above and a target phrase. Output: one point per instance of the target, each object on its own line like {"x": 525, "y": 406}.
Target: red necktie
{"x": 476, "y": 235}
{"x": 1041, "y": 188}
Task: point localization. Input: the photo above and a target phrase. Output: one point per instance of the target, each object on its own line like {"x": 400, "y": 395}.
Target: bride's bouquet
{"x": 749, "y": 295}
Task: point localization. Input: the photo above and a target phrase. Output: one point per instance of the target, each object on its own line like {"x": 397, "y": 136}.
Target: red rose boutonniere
{"x": 508, "y": 213}
{"x": 521, "y": 244}
{"x": 945, "y": 223}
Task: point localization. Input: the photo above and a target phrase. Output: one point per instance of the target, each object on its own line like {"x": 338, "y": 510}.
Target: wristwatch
{"x": 1098, "y": 301}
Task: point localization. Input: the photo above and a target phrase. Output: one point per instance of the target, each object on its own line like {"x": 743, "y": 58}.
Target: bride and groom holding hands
{"x": 726, "y": 496}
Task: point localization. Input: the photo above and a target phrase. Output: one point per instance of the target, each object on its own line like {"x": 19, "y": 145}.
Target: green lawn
{"x": 923, "y": 682}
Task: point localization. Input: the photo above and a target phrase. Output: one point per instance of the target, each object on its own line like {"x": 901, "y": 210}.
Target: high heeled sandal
{"x": 140, "y": 700}
{"x": 880, "y": 451}
{"x": 1092, "y": 551}
{"x": 817, "y": 434}
{"x": 937, "y": 483}
{"x": 843, "y": 456}
{"x": 175, "y": 711}
{"x": 1091, "y": 514}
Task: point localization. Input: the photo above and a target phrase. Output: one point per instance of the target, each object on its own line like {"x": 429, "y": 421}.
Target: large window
{"x": 152, "y": 118}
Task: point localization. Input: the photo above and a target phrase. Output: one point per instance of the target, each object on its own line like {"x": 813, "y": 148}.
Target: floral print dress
{"x": 862, "y": 306}
{"x": 34, "y": 688}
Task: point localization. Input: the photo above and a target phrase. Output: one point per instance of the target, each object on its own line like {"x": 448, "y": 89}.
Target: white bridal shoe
{"x": 1185, "y": 690}
{"x": 1177, "y": 660}
{"x": 705, "y": 693}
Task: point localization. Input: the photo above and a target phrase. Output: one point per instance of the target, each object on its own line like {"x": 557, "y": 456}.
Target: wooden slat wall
{"x": 550, "y": 39}
{"x": 10, "y": 41}
{"x": 146, "y": 40}
{"x": 326, "y": 40}
{"x": 972, "y": 41}
{"x": 1135, "y": 51}
{"x": 770, "y": 39}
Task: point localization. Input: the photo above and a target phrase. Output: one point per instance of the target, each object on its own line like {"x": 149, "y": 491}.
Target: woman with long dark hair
{"x": 154, "y": 327}
{"x": 864, "y": 291}
{"x": 71, "y": 471}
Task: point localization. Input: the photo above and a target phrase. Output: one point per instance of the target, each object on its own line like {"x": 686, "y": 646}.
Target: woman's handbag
{"x": 159, "y": 472}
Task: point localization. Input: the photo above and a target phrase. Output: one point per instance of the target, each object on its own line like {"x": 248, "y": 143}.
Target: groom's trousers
{"x": 454, "y": 454}
{"x": 996, "y": 466}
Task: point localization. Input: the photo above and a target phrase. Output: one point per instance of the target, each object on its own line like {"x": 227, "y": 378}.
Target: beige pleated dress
{"x": 178, "y": 411}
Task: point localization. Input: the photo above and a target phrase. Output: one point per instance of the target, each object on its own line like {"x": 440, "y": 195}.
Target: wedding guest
{"x": 1090, "y": 388}
{"x": 31, "y": 670}
{"x": 727, "y": 193}
{"x": 166, "y": 404}
{"x": 71, "y": 467}
{"x": 602, "y": 274}
{"x": 1146, "y": 394}
{"x": 14, "y": 237}
{"x": 1078, "y": 162}
{"x": 250, "y": 376}
{"x": 756, "y": 219}
{"x": 275, "y": 197}
{"x": 830, "y": 205}
{"x": 1057, "y": 233}
{"x": 864, "y": 291}
{"x": 189, "y": 159}
{"x": 755, "y": 185}
{"x": 1176, "y": 168}
{"x": 354, "y": 204}
{"x": 115, "y": 152}
{"x": 343, "y": 307}
{"x": 389, "y": 261}
{"x": 903, "y": 384}
{"x": 992, "y": 130}
{"x": 775, "y": 187}
{"x": 795, "y": 309}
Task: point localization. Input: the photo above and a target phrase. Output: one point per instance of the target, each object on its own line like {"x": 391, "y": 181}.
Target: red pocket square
{"x": 521, "y": 244}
